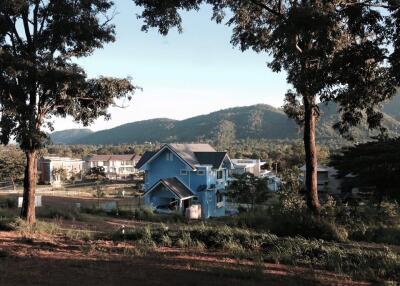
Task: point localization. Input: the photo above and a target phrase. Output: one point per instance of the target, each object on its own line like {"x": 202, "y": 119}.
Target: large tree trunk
{"x": 28, "y": 205}
{"x": 311, "y": 154}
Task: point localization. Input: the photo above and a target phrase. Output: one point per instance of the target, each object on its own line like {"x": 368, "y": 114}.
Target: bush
{"x": 6, "y": 224}
{"x": 377, "y": 234}
{"x": 60, "y": 213}
{"x": 290, "y": 224}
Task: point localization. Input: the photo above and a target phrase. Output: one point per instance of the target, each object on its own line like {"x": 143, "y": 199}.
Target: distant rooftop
{"x": 121, "y": 157}
{"x": 52, "y": 157}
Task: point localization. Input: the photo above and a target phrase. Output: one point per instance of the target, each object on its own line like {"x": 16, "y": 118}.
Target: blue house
{"x": 179, "y": 175}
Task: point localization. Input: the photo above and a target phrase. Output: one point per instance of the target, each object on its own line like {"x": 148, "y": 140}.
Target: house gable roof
{"x": 145, "y": 157}
{"x": 175, "y": 186}
{"x": 191, "y": 154}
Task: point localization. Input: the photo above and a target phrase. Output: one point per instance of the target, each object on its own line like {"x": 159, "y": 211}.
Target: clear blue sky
{"x": 182, "y": 75}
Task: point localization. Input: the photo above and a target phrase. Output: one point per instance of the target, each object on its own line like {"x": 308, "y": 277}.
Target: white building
{"x": 253, "y": 166}
{"x": 50, "y": 169}
{"x": 115, "y": 166}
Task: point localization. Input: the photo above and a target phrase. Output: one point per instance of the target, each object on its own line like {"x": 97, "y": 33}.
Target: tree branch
{"x": 269, "y": 9}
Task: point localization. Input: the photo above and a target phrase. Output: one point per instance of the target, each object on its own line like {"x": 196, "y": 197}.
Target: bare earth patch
{"x": 47, "y": 260}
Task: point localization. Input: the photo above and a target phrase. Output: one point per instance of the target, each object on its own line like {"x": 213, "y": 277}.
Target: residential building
{"x": 180, "y": 175}
{"x": 50, "y": 169}
{"x": 253, "y": 166}
{"x": 116, "y": 167}
{"x": 327, "y": 179}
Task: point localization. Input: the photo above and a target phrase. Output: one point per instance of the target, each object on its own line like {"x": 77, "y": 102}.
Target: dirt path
{"x": 58, "y": 261}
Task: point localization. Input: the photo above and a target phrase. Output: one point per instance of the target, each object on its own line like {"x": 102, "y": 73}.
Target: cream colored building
{"x": 48, "y": 167}
{"x": 115, "y": 166}
{"x": 253, "y": 166}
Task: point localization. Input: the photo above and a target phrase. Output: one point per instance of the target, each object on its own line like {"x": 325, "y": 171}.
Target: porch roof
{"x": 175, "y": 186}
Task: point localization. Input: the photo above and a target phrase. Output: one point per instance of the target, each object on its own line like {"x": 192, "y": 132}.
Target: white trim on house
{"x": 166, "y": 146}
{"x": 176, "y": 196}
{"x": 222, "y": 162}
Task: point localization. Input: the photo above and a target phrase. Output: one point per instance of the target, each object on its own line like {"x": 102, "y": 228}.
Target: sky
{"x": 182, "y": 75}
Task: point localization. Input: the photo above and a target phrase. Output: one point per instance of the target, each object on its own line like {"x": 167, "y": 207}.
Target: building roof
{"x": 210, "y": 158}
{"x": 175, "y": 186}
{"x": 187, "y": 151}
{"x": 57, "y": 158}
{"x": 145, "y": 157}
{"x": 192, "y": 154}
{"x": 120, "y": 157}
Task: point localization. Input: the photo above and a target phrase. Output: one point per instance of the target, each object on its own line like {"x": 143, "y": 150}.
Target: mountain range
{"x": 255, "y": 122}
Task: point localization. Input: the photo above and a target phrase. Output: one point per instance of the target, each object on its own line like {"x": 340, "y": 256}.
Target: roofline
{"x": 89, "y": 157}
{"x": 161, "y": 182}
{"x": 173, "y": 151}
{"x": 226, "y": 155}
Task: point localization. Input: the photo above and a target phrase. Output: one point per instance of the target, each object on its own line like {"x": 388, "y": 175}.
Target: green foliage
{"x": 60, "y": 173}
{"x": 41, "y": 54}
{"x": 373, "y": 165}
{"x": 96, "y": 174}
{"x": 249, "y": 189}
{"x": 12, "y": 164}
{"x": 363, "y": 263}
{"x": 60, "y": 213}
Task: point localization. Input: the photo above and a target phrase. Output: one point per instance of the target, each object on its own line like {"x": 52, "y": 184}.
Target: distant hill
{"x": 256, "y": 122}
{"x": 69, "y": 136}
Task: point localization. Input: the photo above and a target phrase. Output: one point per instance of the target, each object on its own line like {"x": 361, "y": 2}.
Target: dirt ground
{"x": 45, "y": 260}
{"x": 58, "y": 260}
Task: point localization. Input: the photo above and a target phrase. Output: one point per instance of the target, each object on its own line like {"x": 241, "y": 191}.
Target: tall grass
{"x": 365, "y": 263}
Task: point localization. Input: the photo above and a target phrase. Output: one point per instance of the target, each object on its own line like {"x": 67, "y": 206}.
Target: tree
{"x": 60, "y": 174}
{"x": 331, "y": 51}
{"x": 372, "y": 165}
{"x": 39, "y": 76}
{"x": 97, "y": 174}
{"x": 248, "y": 189}
{"x": 12, "y": 164}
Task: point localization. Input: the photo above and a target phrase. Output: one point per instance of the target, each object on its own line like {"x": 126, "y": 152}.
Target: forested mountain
{"x": 69, "y": 136}
{"x": 257, "y": 122}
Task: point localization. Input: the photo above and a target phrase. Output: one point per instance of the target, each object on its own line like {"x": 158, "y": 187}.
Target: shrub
{"x": 77, "y": 234}
{"x": 377, "y": 234}
{"x": 6, "y": 224}
{"x": 60, "y": 213}
{"x": 166, "y": 240}
{"x": 39, "y": 227}
{"x": 291, "y": 224}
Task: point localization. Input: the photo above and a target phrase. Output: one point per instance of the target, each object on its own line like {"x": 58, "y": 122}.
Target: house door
{"x": 186, "y": 204}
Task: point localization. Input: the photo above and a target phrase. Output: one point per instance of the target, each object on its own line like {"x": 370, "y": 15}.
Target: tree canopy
{"x": 373, "y": 165}
{"x": 248, "y": 189}
{"x": 40, "y": 79}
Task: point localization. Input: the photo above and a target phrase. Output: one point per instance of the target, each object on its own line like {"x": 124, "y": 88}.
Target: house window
{"x": 184, "y": 172}
{"x": 200, "y": 172}
{"x": 220, "y": 174}
{"x": 169, "y": 156}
